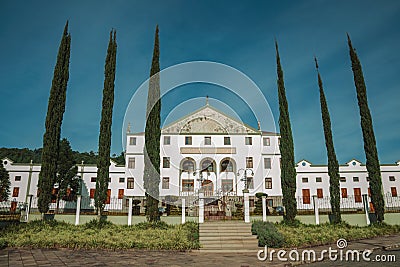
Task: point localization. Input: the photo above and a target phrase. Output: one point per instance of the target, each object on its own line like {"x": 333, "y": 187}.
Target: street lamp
{"x": 244, "y": 179}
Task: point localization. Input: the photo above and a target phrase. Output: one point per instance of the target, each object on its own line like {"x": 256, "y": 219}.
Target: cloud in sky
{"x": 237, "y": 33}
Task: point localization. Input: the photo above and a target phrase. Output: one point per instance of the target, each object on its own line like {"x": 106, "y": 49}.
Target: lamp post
{"x": 246, "y": 194}
{"x": 244, "y": 179}
{"x": 78, "y": 201}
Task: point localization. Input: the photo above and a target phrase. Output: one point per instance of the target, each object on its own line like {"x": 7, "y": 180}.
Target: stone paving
{"x": 24, "y": 257}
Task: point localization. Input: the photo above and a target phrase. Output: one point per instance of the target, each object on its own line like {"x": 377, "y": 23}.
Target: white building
{"x": 210, "y": 150}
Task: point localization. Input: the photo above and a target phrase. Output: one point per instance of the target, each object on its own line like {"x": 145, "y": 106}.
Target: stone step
{"x": 230, "y": 243}
{"x": 225, "y": 238}
{"x": 224, "y": 234}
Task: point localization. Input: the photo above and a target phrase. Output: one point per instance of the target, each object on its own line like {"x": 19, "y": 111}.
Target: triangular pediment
{"x": 208, "y": 120}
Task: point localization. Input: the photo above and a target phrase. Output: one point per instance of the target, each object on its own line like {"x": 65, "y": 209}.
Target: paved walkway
{"x": 13, "y": 257}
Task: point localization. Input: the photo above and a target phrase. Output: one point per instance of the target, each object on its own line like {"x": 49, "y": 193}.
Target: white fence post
{"x": 316, "y": 211}
{"x": 183, "y": 210}
{"x": 78, "y": 209}
{"x": 201, "y": 207}
{"x": 365, "y": 202}
{"x": 246, "y": 206}
{"x": 264, "y": 208}
{"x": 28, "y": 208}
{"x": 130, "y": 201}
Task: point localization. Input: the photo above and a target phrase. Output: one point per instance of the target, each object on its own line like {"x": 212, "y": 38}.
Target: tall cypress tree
{"x": 288, "y": 171}
{"x": 103, "y": 162}
{"x": 55, "y": 112}
{"x": 333, "y": 165}
{"x": 4, "y": 183}
{"x": 151, "y": 175}
{"x": 371, "y": 153}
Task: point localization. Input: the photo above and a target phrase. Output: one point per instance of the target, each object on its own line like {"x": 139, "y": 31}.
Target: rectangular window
{"x": 304, "y": 180}
{"x": 17, "y": 178}
{"x": 207, "y": 140}
{"x": 270, "y": 202}
{"x": 367, "y": 178}
{"x": 306, "y": 196}
{"x": 122, "y": 179}
{"x": 268, "y": 183}
{"x": 344, "y": 192}
{"x": 130, "y": 183}
{"x": 108, "y": 199}
{"x": 318, "y": 179}
{"x": 249, "y": 162}
{"x": 279, "y": 141}
{"x": 15, "y": 192}
{"x": 120, "y": 193}
{"x": 369, "y": 191}
{"x": 250, "y": 183}
{"x": 392, "y": 179}
{"x": 227, "y": 141}
{"x": 187, "y": 185}
{"x": 131, "y": 163}
{"x": 357, "y": 195}
{"x": 188, "y": 140}
{"x": 356, "y": 179}
{"x": 167, "y": 140}
{"x": 93, "y": 179}
{"x": 266, "y": 141}
{"x": 227, "y": 185}
{"x": 320, "y": 193}
{"x": 92, "y": 192}
{"x": 132, "y": 141}
{"x": 166, "y": 162}
{"x": 165, "y": 183}
{"x": 248, "y": 141}
{"x": 393, "y": 190}
{"x": 267, "y": 163}
{"x": 343, "y": 179}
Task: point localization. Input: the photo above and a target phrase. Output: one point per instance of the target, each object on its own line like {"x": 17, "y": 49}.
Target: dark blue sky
{"x": 237, "y": 33}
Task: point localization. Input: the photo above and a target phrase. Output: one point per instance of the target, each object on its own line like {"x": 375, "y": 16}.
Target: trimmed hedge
{"x": 267, "y": 234}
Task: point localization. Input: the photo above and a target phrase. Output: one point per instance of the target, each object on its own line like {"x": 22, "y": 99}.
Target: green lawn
{"x": 301, "y": 235}
{"x": 53, "y": 234}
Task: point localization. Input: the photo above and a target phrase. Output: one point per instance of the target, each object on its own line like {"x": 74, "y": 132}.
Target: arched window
{"x": 188, "y": 165}
{"x": 226, "y": 165}
{"x": 207, "y": 165}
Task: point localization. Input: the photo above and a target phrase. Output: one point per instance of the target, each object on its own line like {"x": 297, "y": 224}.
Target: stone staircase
{"x": 227, "y": 236}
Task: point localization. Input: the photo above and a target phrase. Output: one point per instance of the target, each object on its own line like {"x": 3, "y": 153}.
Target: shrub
{"x": 153, "y": 225}
{"x": 267, "y": 234}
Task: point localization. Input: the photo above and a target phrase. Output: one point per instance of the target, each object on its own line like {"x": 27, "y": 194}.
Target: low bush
{"x": 101, "y": 235}
{"x": 267, "y": 234}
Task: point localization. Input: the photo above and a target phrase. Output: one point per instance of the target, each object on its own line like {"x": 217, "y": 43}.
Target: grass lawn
{"x": 300, "y": 235}
{"x": 94, "y": 235}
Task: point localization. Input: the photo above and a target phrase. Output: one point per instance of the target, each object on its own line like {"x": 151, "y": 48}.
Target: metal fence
{"x": 349, "y": 203}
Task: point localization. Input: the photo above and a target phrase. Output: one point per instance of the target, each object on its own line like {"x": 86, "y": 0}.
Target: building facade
{"x": 211, "y": 151}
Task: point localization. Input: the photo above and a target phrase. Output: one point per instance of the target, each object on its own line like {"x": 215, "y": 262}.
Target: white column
{"x": 130, "y": 199}
{"x": 78, "y": 209}
{"x": 316, "y": 211}
{"x": 365, "y": 202}
{"x": 201, "y": 207}
{"x": 183, "y": 210}
{"x": 246, "y": 206}
{"x": 264, "y": 208}
{"x": 28, "y": 208}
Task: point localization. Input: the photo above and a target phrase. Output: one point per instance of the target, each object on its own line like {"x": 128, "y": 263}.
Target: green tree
{"x": 371, "y": 153}
{"x": 151, "y": 175}
{"x": 288, "y": 171}
{"x": 55, "y": 112}
{"x": 333, "y": 165}
{"x": 4, "y": 183}
{"x": 103, "y": 162}
{"x": 66, "y": 173}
